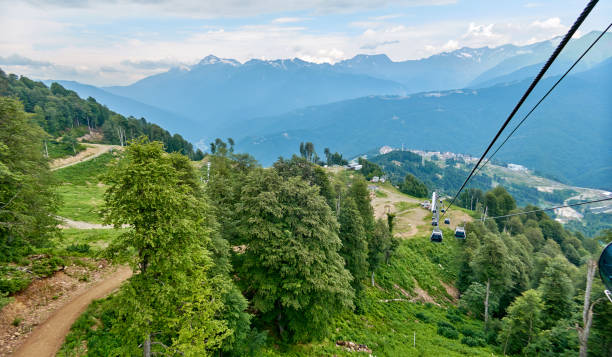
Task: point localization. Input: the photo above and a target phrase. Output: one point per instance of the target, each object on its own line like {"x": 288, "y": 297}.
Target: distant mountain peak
{"x": 373, "y": 59}
{"x": 212, "y": 59}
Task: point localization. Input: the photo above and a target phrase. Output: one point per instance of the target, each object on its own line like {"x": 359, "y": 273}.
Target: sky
{"x": 117, "y": 42}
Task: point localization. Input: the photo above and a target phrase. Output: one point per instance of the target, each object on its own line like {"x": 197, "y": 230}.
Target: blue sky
{"x": 118, "y": 42}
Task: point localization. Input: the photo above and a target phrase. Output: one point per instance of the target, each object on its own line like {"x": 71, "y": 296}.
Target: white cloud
{"x": 285, "y": 20}
{"x": 224, "y": 8}
{"x": 552, "y": 23}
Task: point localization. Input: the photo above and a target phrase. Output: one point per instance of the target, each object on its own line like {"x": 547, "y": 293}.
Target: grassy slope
{"x": 80, "y": 191}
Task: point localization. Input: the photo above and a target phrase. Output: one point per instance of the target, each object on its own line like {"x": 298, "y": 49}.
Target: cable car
{"x": 436, "y": 236}
{"x": 443, "y": 210}
{"x": 605, "y": 269}
{"x": 446, "y": 220}
{"x": 460, "y": 232}
{"x": 434, "y": 223}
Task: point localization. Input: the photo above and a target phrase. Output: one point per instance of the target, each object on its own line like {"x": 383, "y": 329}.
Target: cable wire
{"x": 547, "y": 65}
{"x": 541, "y": 100}
{"x": 551, "y": 208}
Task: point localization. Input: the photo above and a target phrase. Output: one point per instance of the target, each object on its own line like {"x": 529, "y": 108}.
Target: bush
{"x": 421, "y": 316}
{"x": 471, "y": 333}
{"x": 13, "y": 280}
{"x": 79, "y": 248}
{"x": 454, "y": 318}
{"x": 46, "y": 267}
{"x": 446, "y": 325}
{"x": 448, "y": 332}
{"x": 473, "y": 342}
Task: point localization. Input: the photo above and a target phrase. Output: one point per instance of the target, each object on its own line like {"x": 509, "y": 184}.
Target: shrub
{"x": 79, "y": 248}
{"x": 17, "y": 321}
{"x": 421, "y": 316}
{"x": 46, "y": 267}
{"x": 471, "y": 333}
{"x": 446, "y": 325}
{"x": 448, "y": 332}
{"x": 454, "y": 318}
{"x": 473, "y": 342}
{"x": 13, "y": 280}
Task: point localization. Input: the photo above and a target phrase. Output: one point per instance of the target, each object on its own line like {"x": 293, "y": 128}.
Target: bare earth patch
{"x": 37, "y": 303}
{"x": 92, "y": 151}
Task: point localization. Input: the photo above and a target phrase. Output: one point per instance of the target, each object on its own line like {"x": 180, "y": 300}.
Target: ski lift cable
{"x": 587, "y": 10}
{"x": 550, "y": 208}
{"x": 541, "y": 100}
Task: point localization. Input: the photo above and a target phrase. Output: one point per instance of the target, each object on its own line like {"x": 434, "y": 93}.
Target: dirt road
{"x": 92, "y": 151}
{"x": 47, "y": 338}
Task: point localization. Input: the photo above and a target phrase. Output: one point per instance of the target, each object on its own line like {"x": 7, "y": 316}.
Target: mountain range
{"x": 568, "y": 136}
{"x": 269, "y": 106}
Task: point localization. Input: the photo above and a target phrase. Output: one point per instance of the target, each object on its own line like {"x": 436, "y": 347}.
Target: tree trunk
{"x": 486, "y": 303}
{"x": 587, "y": 310}
{"x": 372, "y": 279}
{"x": 146, "y": 347}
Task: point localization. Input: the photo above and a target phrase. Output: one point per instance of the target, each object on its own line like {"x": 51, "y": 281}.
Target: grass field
{"x": 80, "y": 189}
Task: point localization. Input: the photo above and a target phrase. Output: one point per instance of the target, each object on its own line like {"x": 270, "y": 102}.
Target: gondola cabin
{"x": 605, "y": 269}
{"x": 460, "y": 232}
{"x": 436, "y": 236}
{"x": 446, "y": 220}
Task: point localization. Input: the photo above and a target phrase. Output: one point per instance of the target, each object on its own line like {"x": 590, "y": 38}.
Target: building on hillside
{"x": 375, "y": 179}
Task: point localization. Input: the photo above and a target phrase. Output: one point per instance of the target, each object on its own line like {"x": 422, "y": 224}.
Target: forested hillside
{"x": 294, "y": 262}
{"x": 60, "y": 112}
{"x": 567, "y": 136}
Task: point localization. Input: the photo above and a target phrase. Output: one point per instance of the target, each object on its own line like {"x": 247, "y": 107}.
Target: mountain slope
{"x": 129, "y": 107}
{"x": 568, "y": 136}
{"x": 219, "y": 90}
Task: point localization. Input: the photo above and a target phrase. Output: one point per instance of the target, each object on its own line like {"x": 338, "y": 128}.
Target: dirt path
{"x": 382, "y": 205}
{"x": 47, "y": 338}
{"x": 92, "y": 151}
{"x": 68, "y": 223}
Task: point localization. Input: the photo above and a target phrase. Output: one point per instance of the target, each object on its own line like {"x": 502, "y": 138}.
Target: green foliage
{"x": 79, "y": 248}
{"x": 354, "y": 242}
{"x": 413, "y": 187}
{"x": 369, "y": 169}
{"x": 473, "y": 342}
{"x": 13, "y": 280}
{"x": 47, "y": 266}
{"x": 557, "y": 291}
{"x": 448, "y": 332}
{"x": 60, "y": 111}
{"x": 86, "y": 172}
{"x": 157, "y": 195}
{"x": 334, "y": 159}
{"x": 27, "y": 201}
{"x": 291, "y": 263}
{"x": 522, "y": 323}
{"x": 443, "y": 178}
{"x": 59, "y": 149}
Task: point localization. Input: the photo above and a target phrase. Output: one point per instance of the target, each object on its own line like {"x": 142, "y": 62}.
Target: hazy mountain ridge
{"x": 574, "y": 120}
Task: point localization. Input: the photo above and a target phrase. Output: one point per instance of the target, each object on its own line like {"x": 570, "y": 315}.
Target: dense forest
{"x": 60, "y": 112}
{"x": 235, "y": 259}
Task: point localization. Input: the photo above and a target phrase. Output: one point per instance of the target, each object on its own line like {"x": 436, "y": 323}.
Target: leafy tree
{"x": 311, "y": 173}
{"x": 27, "y": 199}
{"x": 354, "y": 244}
{"x": 491, "y": 266}
{"x": 369, "y": 169}
{"x": 522, "y": 323}
{"x": 412, "y": 186}
{"x": 171, "y": 304}
{"x": 380, "y": 246}
{"x": 557, "y": 292}
{"x": 292, "y": 267}
{"x": 358, "y": 191}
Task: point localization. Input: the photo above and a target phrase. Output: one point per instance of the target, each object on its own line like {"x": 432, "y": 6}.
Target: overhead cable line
{"x": 547, "y": 65}
{"x": 541, "y": 100}
{"x": 550, "y": 209}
